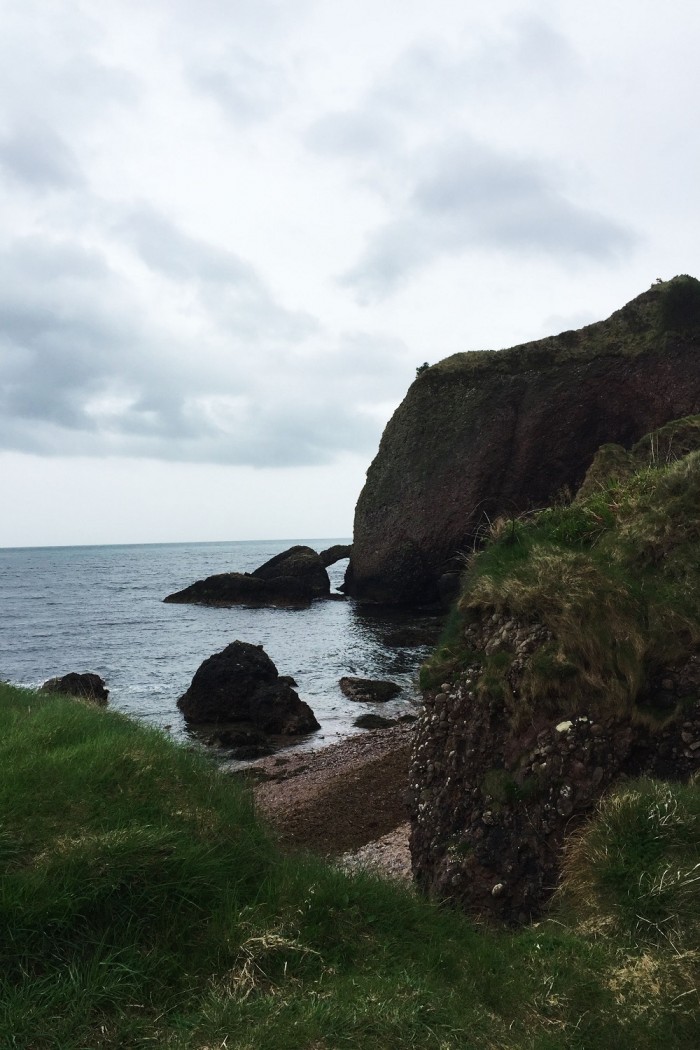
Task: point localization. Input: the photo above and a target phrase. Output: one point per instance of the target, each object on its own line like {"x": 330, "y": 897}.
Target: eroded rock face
{"x": 483, "y": 434}
{"x": 86, "y": 686}
{"x": 491, "y": 806}
{"x": 241, "y": 685}
{"x": 335, "y": 553}
{"x": 296, "y": 577}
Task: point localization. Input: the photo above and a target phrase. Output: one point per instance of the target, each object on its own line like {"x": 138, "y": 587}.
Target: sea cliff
{"x": 571, "y": 663}
{"x": 486, "y": 433}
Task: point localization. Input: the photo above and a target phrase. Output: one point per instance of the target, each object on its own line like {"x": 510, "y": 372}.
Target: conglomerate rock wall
{"x": 492, "y": 806}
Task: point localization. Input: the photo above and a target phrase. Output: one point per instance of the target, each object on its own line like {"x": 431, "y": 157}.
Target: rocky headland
{"x": 556, "y": 488}
{"x": 500, "y": 432}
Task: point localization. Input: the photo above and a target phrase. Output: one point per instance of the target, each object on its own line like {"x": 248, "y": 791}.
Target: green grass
{"x": 615, "y": 577}
{"x": 636, "y": 869}
{"x": 143, "y": 904}
{"x": 449, "y": 656}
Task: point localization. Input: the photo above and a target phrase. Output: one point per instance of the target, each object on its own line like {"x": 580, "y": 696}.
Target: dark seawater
{"x": 101, "y": 609}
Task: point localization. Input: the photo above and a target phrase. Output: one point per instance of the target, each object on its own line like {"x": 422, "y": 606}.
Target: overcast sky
{"x": 230, "y": 230}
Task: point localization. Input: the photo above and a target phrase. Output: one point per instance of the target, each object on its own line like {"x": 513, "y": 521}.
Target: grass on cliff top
{"x": 615, "y": 576}
{"x": 142, "y": 904}
{"x": 668, "y": 309}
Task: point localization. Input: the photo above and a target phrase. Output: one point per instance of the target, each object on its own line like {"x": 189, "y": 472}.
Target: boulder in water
{"x": 241, "y": 685}
{"x": 85, "y": 686}
{"x": 368, "y": 690}
{"x": 294, "y": 578}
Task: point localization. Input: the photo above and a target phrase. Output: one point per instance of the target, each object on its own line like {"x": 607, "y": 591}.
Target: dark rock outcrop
{"x": 368, "y": 690}
{"x": 86, "y": 686}
{"x": 241, "y": 685}
{"x": 299, "y": 564}
{"x": 294, "y": 578}
{"x": 492, "y": 807}
{"x": 335, "y": 553}
{"x": 494, "y": 433}
{"x": 373, "y": 722}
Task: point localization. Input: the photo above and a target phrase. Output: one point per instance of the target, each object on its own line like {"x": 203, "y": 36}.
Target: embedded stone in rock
{"x": 86, "y": 686}
{"x": 241, "y": 684}
{"x": 368, "y": 690}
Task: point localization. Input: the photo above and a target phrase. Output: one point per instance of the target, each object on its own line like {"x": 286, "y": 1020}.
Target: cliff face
{"x": 571, "y": 658}
{"x": 498, "y": 432}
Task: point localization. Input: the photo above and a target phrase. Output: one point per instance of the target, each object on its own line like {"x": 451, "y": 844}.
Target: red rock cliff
{"x": 482, "y": 434}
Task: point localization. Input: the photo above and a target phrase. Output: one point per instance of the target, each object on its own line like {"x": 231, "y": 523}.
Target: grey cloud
{"x": 303, "y": 431}
{"x": 434, "y": 81}
{"x": 170, "y": 251}
{"x": 245, "y": 88}
{"x": 527, "y": 53}
{"x": 70, "y": 333}
{"x": 453, "y": 192}
{"x": 85, "y": 371}
{"x": 363, "y": 368}
{"x": 353, "y": 133}
{"x": 537, "y": 46}
{"x": 46, "y": 259}
{"x": 228, "y": 286}
{"x": 239, "y": 17}
{"x": 472, "y": 197}
{"x": 51, "y": 76}
{"x": 38, "y": 158}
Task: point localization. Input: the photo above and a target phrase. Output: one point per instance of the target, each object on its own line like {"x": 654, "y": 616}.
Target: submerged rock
{"x": 241, "y": 685}
{"x": 368, "y": 690}
{"x": 294, "y": 578}
{"x": 86, "y": 686}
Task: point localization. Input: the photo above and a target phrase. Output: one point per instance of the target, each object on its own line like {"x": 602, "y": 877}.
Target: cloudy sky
{"x": 231, "y": 229}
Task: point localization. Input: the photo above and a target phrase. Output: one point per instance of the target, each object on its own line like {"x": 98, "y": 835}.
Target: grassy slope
{"x": 143, "y": 905}
{"x": 615, "y": 576}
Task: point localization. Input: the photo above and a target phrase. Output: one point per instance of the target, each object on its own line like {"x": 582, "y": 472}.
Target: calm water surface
{"x": 101, "y": 609}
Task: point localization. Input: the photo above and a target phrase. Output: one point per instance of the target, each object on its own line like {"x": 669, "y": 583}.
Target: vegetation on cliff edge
{"x": 142, "y": 904}
{"x": 669, "y": 310}
{"x": 614, "y": 576}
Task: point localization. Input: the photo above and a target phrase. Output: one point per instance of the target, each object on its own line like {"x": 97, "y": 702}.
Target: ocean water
{"x": 101, "y": 609}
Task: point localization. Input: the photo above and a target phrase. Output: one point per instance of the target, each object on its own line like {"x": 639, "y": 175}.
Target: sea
{"x": 101, "y": 609}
